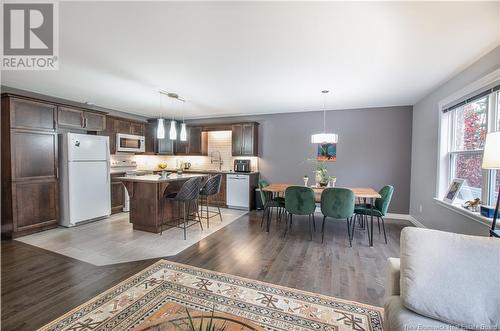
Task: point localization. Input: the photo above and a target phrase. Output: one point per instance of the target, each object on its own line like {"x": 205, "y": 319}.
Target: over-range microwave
{"x": 130, "y": 143}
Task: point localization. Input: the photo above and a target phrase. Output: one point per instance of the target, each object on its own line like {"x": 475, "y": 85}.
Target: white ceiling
{"x": 229, "y": 58}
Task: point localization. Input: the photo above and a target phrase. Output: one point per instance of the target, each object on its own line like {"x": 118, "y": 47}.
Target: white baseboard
{"x": 397, "y": 217}
{"x": 405, "y": 217}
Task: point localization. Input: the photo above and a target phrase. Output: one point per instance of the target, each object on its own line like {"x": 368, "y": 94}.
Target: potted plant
{"x": 321, "y": 173}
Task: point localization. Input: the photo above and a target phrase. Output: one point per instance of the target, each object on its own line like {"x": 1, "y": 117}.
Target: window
{"x": 468, "y": 124}
{"x": 469, "y": 128}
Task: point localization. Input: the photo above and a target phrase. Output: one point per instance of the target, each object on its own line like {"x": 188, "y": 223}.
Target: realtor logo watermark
{"x": 30, "y": 36}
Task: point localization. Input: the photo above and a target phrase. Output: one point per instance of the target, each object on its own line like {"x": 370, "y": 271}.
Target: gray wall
{"x": 374, "y": 147}
{"x": 424, "y": 153}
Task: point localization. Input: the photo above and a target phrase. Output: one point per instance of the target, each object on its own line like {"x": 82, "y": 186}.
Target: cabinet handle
{"x": 85, "y": 121}
{"x": 57, "y": 172}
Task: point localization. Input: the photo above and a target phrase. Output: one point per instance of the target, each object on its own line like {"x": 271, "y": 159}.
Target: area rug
{"x": 132, "y": 302}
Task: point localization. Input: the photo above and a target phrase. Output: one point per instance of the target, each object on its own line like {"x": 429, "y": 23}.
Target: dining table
{"x": 361, "y": 193}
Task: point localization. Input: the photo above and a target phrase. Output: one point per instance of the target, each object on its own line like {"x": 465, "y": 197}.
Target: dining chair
{"x": 269, "y": 202}
{"x": 338, "y": 203}
{"x": 379, "y": 209}
{"x": 211, "y": 187}
{"x": 299, "y": 200}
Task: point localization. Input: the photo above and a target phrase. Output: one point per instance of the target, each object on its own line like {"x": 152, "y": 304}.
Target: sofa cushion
{"x": 451, "y": 277}
{"x": 397, "y": 317}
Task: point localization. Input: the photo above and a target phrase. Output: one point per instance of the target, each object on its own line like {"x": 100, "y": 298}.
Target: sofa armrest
{"x": 392, "y": 277}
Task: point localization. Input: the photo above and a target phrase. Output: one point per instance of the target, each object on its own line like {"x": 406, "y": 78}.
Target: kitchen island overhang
{"x": 150, "y": 211}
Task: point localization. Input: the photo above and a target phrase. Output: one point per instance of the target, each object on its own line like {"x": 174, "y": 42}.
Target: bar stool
{"x": 189, "y": 193}
{"x": 211, "y": 187}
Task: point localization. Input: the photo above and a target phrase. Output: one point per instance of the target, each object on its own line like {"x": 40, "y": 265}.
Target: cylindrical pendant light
{"x": 183, "y": 134}
{"x": 160, "y": 130}
{"x": 173, "y": 130}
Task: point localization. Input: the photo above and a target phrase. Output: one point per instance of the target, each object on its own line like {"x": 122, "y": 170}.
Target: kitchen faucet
{"x": 216, "y": 160}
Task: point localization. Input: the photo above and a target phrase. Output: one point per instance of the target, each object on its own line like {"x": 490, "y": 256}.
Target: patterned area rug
{"x": 132, "y": 302}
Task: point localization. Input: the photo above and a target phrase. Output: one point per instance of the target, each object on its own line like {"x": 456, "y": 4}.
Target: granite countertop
{"x": 211, "y": 171}
{"x": 157, "y": 179}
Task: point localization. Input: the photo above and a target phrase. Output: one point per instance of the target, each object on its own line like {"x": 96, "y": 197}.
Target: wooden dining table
{"x": 362, "y": 193}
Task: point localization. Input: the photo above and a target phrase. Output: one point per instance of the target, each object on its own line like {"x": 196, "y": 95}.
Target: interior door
{"x": 89, "y": 190}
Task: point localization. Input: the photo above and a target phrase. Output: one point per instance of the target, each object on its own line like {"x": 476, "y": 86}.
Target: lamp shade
{"x": 491, "y": 155}
{"x": 183, "y": 134}
{"x": 324, "y": 138}
{"x": 160, "y": 131}
{"x": 173, "y": 131}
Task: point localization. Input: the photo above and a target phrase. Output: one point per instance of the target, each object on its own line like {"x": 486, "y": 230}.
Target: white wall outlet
{"x": 420, "y": 208}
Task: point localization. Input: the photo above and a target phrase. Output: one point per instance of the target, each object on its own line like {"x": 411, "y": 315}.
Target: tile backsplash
{"x": 218, "y": 142}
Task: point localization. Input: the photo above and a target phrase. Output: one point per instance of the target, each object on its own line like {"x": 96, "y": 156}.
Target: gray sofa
{"x": 443, "y": 281}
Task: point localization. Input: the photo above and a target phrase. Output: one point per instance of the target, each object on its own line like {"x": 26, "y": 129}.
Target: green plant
{"x": 208, "y": 327}
{"x": 321, "y": 170}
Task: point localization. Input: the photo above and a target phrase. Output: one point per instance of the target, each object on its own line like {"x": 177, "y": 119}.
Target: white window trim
{"x": 442, "y": 172}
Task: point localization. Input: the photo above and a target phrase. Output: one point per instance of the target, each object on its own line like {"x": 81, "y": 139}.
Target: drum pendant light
{"x": 324, "y": 138}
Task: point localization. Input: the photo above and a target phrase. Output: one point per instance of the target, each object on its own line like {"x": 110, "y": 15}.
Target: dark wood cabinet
{"x": 117, "y": 194}
{"x": 29, "y": 166}
{"x": 33, "y": 154}
{"x": 95, "y": 121}
{"x": 154, "y": 145}
{"x": 70, "y": 118}
{"x": 196, "y": 143}
{"x": 116, "y": 125}
{"x": 33, "y": 115}
{"x": 244, "y": 139}
{"x": 137, "y": 128}
{"x": 76, "y": 118}
{"x": 35, "y": 205}
{"x": 165, "y": 146}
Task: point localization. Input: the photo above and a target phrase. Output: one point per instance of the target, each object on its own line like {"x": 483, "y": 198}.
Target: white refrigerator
{"x": 84, "y": 182}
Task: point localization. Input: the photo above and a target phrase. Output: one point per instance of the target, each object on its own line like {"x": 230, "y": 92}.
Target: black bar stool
{"x": 211, "y": 187}
{"x": 189, "y": 193}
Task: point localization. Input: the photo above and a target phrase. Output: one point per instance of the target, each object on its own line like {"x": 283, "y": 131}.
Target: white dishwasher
{"x": 238, "y": 191}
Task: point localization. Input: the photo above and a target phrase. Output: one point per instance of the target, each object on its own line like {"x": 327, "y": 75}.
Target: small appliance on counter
{"x": 242, "y": 166}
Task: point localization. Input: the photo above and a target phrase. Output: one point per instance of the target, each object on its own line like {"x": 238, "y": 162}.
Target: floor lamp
{"x": 491, "y": 160}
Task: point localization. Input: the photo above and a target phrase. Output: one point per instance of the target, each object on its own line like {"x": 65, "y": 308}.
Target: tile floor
{"x": 113, "y": 240}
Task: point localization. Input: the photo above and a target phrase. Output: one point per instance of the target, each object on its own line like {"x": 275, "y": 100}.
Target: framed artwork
{"x": 327, "y": 152}
{"x": 455, "y": 186}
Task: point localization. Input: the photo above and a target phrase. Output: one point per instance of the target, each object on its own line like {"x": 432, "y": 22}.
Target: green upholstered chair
{"x": 379, "y": 209}
{"x": 337, "y": 203}
{"x": 268, "y": 203}
{"x": 299, "y": 200}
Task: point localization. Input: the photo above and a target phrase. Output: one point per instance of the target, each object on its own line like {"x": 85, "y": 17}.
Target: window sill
{"x": 476, "y": 216}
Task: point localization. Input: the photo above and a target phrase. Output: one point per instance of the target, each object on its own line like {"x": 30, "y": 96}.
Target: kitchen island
{"x": 149, "y": 209}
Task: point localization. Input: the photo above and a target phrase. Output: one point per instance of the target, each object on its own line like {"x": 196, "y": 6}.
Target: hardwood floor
{"x": 39, "y": 286}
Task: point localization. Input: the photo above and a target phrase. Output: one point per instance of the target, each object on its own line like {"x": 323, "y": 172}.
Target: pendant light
{"x": 173, "y": 130}
{"x": 324, "y": 138}
{"x": 160, "y": 129}
{"x": 183, "y": 134}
